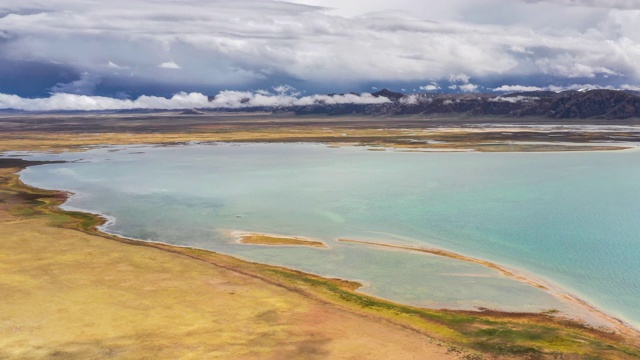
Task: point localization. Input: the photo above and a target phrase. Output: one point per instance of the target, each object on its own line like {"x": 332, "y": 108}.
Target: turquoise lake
{"x": 570, "y": 219}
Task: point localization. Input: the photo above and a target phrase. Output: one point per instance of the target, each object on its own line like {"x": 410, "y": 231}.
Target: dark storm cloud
{"x": 32, "y": 78}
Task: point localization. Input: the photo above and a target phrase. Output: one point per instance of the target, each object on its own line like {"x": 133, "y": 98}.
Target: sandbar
{"x": 616, "y": 323}
{"x": 275, "y": 240}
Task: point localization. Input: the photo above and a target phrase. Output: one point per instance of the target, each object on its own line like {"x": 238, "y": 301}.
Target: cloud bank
{"x": 182, "y": 100}
{"x": 128, "y": 45}
{"x": 281, "y": 96}
{"x": 555, "y": 88}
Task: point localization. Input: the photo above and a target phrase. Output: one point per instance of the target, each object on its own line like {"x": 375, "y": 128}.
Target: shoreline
{"x": 613, "y": 321}
{"x": 555, "y": 290}
{"x": 348, "y": 286}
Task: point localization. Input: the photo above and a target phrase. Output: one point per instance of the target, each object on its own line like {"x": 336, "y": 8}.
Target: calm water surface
{"x": 572, "y": 219}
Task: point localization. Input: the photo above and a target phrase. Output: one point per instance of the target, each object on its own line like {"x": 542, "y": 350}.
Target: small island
{"x": 277, "y": 240}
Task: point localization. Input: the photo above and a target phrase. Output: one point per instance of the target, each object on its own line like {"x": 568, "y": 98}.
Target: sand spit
{"x": 617, "y": 324}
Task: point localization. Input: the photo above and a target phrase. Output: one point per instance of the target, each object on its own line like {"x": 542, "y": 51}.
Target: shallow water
{"x": 568, "y": 218}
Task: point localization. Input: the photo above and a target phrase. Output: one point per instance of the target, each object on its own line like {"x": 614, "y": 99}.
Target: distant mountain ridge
{"x": 605, "y": 104}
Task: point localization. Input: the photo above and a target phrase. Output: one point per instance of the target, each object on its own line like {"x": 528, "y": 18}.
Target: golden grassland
{"x": 71, "y": 292}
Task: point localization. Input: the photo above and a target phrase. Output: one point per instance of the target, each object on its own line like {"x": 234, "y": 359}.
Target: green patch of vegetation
{"x": 593, "y": 357}
{"x": 532, "y": 339}
{"x": 37, "y": 202}
{"x": 85, "y": 221}
{"x": 23, "y": 211}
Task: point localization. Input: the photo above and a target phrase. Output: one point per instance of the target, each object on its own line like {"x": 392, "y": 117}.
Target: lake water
{"x": 571, "y": 219}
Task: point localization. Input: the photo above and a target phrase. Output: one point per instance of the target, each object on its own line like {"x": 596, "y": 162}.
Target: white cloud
{"x": 517, "y": 88}
{"x": 580, "y": 87}
{"x": 83, "y": 86}
{"x": 65, "y": 101}
{"x": 286, "y": 89}
{"x": 169, "y": 65}
{"x": 630, "y": 87}
{"x": 468, "y": 88}
{"x": 430, "y": 87}
{"x": 558, "y": 88}
{"x": 410, "y": 100}
{"x": 459, "y": 78}
{"x": 113, "y": 65}
{"x": 340, "y": 99}
{"x": 570, "y": 67}
{"x": 182, "y": 100}
{"x": 514, "y": 99}
{"x": 608, "y": 4}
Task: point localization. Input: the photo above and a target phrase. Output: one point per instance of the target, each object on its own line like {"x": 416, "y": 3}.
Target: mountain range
{"x": 604, "y": 104}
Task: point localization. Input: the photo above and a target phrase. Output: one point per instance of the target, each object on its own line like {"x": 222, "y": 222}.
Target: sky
{"x": 86, "y": 50}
